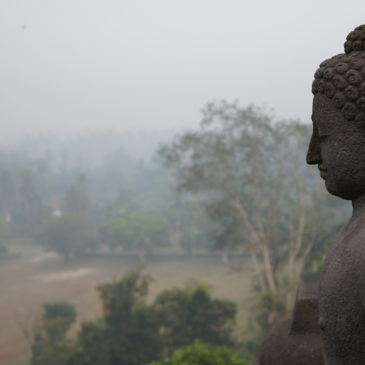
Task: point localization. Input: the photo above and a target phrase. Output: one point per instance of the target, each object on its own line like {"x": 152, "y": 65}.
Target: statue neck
{"x": 358, "y": 205}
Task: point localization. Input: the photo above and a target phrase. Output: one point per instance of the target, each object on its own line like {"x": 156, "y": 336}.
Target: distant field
{"x": 36, "y": 278}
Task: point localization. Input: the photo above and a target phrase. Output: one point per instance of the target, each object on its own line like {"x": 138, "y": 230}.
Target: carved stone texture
{"x": 342, "y": 78}
{"x": 337, "y": 146}
{"x": 296, "y": 341}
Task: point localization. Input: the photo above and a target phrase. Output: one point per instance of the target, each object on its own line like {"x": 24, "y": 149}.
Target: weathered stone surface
{"x": 296, "y": 341}
{"x": 337, "y": 146}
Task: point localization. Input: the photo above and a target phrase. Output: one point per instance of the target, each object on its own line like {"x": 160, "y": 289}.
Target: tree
{"x": 76, "y": 200}
{"x": 200, "y": 353}
{"x": 190, "y": 225}
{"x": 249, "y": 169}
{"x": 132, "y": 332}
{"x": 29, "y": 209}
{"x": 92, "y": 344}
{"x": 132, "y": 325}
{"x": 7, "y": 190}
{"x": 128, "y": 332}
{"x": 186, "y": 315}
{"x": 57, "y": 319}
{"x": 141, "y": 230}
{"x": 50, "y": 346}
{"x": 66, "y": 235}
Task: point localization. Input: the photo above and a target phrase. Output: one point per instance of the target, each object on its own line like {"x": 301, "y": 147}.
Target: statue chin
{"x": 336, "y": 192}
{"x": 346, "y": 193}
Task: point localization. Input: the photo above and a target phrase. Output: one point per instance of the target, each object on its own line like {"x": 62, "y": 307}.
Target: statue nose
{"x": 314, "y": 154}
{"x": 313, "y": 158}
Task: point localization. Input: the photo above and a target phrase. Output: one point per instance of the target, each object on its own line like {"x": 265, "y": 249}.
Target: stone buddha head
{"x": 337, "y": 144}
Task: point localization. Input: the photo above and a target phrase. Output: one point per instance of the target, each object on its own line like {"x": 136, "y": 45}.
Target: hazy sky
{"x": 74, "y": 65}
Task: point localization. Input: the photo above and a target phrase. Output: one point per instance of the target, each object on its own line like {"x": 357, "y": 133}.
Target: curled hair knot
{"x": 342, "y": 77}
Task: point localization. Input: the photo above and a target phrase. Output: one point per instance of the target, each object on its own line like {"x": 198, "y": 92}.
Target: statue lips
{"x": 322, "y": 172}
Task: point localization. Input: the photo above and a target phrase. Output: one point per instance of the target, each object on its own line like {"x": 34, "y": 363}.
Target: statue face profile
{"x": 337, "y": 146}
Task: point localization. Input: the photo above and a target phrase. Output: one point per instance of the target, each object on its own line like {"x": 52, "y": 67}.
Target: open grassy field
{"x": 36, "y": 277}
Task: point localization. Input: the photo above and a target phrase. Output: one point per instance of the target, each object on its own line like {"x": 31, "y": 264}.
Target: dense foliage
{"x": 90, "y": 193}
{"x": 50, "y": 345}
{"x": 202, "y": 354}
{"x": 66, "y": 235}
{"x": 131, "y": 331}
{"x": 191, "y": 313}
{"x": 128, "y": 333}
{"x": 140, "y": 230}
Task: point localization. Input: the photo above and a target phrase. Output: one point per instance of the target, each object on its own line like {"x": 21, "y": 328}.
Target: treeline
{"x": 242, "y": 185}
{"x": 90, "y": 194}
{"x": 112, "y": 181}
{"x": 237, "y": 183}
{"x": 182, "y": 327}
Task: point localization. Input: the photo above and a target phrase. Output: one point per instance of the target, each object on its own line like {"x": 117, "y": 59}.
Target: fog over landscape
{"x": 154, "y": 195}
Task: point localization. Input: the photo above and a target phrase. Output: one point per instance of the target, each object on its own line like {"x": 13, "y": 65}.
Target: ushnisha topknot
{"x": 342, "y": 77}
{"x": 355, "y": 41}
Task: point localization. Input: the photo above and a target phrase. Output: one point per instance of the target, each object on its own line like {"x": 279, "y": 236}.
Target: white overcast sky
{"x": 73, "y": 65}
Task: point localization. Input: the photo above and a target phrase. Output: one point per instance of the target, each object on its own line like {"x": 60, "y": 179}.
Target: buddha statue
{"x": 337, "y": 147}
